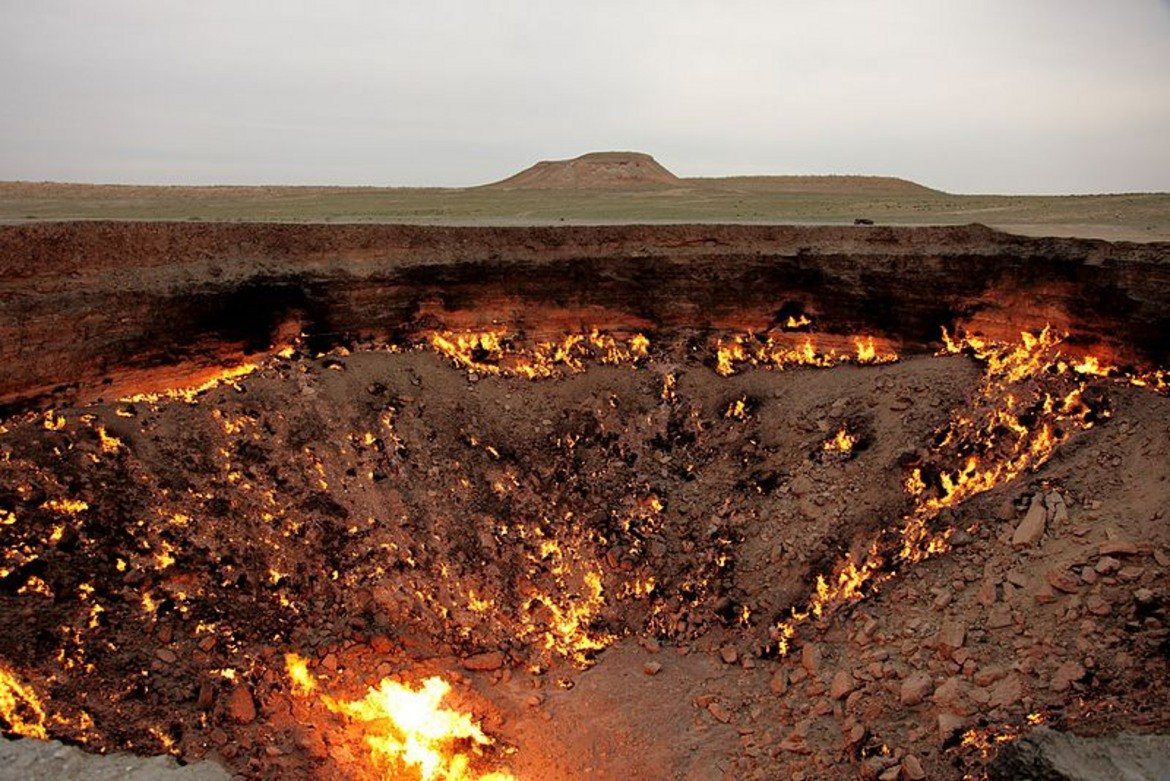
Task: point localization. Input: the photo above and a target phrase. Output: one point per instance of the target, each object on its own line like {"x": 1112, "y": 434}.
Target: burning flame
{"x": 502, "y": 354}
{"x": 190, "y": 393}
{"x": 20, "y": 708}
{"x": 1023, "y": 409}
{"x": 843, "y": 442}
{"x": 987, "y": 741}
{"x": 783, "y": 349}
{"x": 793, "y": 323}
{"x": 407, "y": 730}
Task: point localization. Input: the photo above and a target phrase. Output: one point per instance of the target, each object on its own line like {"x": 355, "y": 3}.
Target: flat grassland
{"x": 765, "y": 199}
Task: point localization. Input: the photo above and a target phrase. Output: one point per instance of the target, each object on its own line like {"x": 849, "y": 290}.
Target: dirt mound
{"x": 593, "y": 171}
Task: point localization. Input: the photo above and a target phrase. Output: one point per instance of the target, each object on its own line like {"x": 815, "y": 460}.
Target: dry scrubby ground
{"x": 386, "y": 514}
{"x": 764, "y": 200}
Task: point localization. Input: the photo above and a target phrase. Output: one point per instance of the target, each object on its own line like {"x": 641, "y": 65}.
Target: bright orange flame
{"x": 498, "y": 353}
{"x": 407, "y": 729}
{"x": 110, "y": 444}
{"x": 843, "y": 442}
{"x": 783, "y": 349}
{"x": 1013, "y": 424}
{"x": 303, "y": 681}
{"x": 189, "y": 394}
{"x": 737, "y": 409}
{"x": 21, "y": 708}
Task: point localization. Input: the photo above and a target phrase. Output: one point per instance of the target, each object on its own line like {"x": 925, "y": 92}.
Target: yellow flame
{"x": 303, "y": 682}
{"x": 1012, "y": 425}
{"x": 407, "y": 729}
{"x": 20, "y": 707}
{"x": 110, "y": 444}
{"x": 737, "y": 409}
{"x": 498, "y": 353}
{"x": 796, "y": 322}
{"x": 190, "y": 393}
{"x": 782, "y": 349}
{"x": 66, "y": 506}
{"x": 843, "y": 442}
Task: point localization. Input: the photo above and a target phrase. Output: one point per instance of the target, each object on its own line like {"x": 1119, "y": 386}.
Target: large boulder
{"x": 1047, "y": 755}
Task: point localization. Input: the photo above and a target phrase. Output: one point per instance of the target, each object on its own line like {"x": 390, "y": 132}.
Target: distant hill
{"x": 826, "y": 185}
{"x": 593, "y": 171}
{"x": 638, "y": 170}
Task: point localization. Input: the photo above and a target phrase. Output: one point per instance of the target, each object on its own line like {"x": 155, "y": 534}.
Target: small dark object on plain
{"x": 863, "y": 221}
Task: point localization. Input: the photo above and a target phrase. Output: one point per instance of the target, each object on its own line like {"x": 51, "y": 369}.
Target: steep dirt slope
{"x": 130, "y": 305}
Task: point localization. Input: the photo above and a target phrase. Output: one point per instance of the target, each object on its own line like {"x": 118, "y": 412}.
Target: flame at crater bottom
{"x": 407, "y": 730}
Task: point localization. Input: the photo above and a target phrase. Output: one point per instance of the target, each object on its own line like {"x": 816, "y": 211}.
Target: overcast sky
{"x": 1016, "y": 96}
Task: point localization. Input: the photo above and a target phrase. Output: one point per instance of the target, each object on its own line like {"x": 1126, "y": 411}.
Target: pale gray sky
{"x": 1013, "y": 96}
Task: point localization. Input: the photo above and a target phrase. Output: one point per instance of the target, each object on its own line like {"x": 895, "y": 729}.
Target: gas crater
{"x": 644, "y": 502}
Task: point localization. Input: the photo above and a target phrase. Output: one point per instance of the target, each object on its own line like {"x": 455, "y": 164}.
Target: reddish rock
{"x": 728, "y": 654}
{"x": 1106, "y": 565}
{"x": 652, "y": 668}
{"x": 951, "y": 636}
{"x": 1006, "y": 692}
{"x": 778, "y": 683}
{"x": 1096, "y": 605}
{"x": 987, "y": 593}
{"x": 1065, "y": 675}
{"x": 312, "y": 742}
{"x": 989, "y": 675}
{"x": 912, "y": 769}
{"x": 485, "y": 662}
{"x": 915, "y": 689}
{"x": 1017, "y": 579}
{"x": 166, "y": 655}
{"x": 241, "y": 706}
{"x": 795, "y": 743}
{"x": 1000, "y": 617}
{"x": 949, "y": 696}
{"x": 948, "y": 725}
{"x": 1043, "y": 594}
{"x": 206, "y": 697}
{"x": 1061, "y": 580}
{"x": 810, "y": 658}
{"x": 1117, "y": 548}
{"x": 1031, "y": 529}
{"x": 719, "y": 712}
{"x": 842, "y": 684}
{"x": 1131, "y": 573}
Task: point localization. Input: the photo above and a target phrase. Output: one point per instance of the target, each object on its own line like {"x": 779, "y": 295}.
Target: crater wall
{"x": 87, "y": 304}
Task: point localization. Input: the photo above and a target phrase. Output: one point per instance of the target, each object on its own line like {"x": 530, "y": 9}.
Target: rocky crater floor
{"x": 823, "y": 545}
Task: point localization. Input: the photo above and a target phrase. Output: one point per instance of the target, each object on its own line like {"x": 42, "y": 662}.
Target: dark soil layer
{"x": 90, "y": 305}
